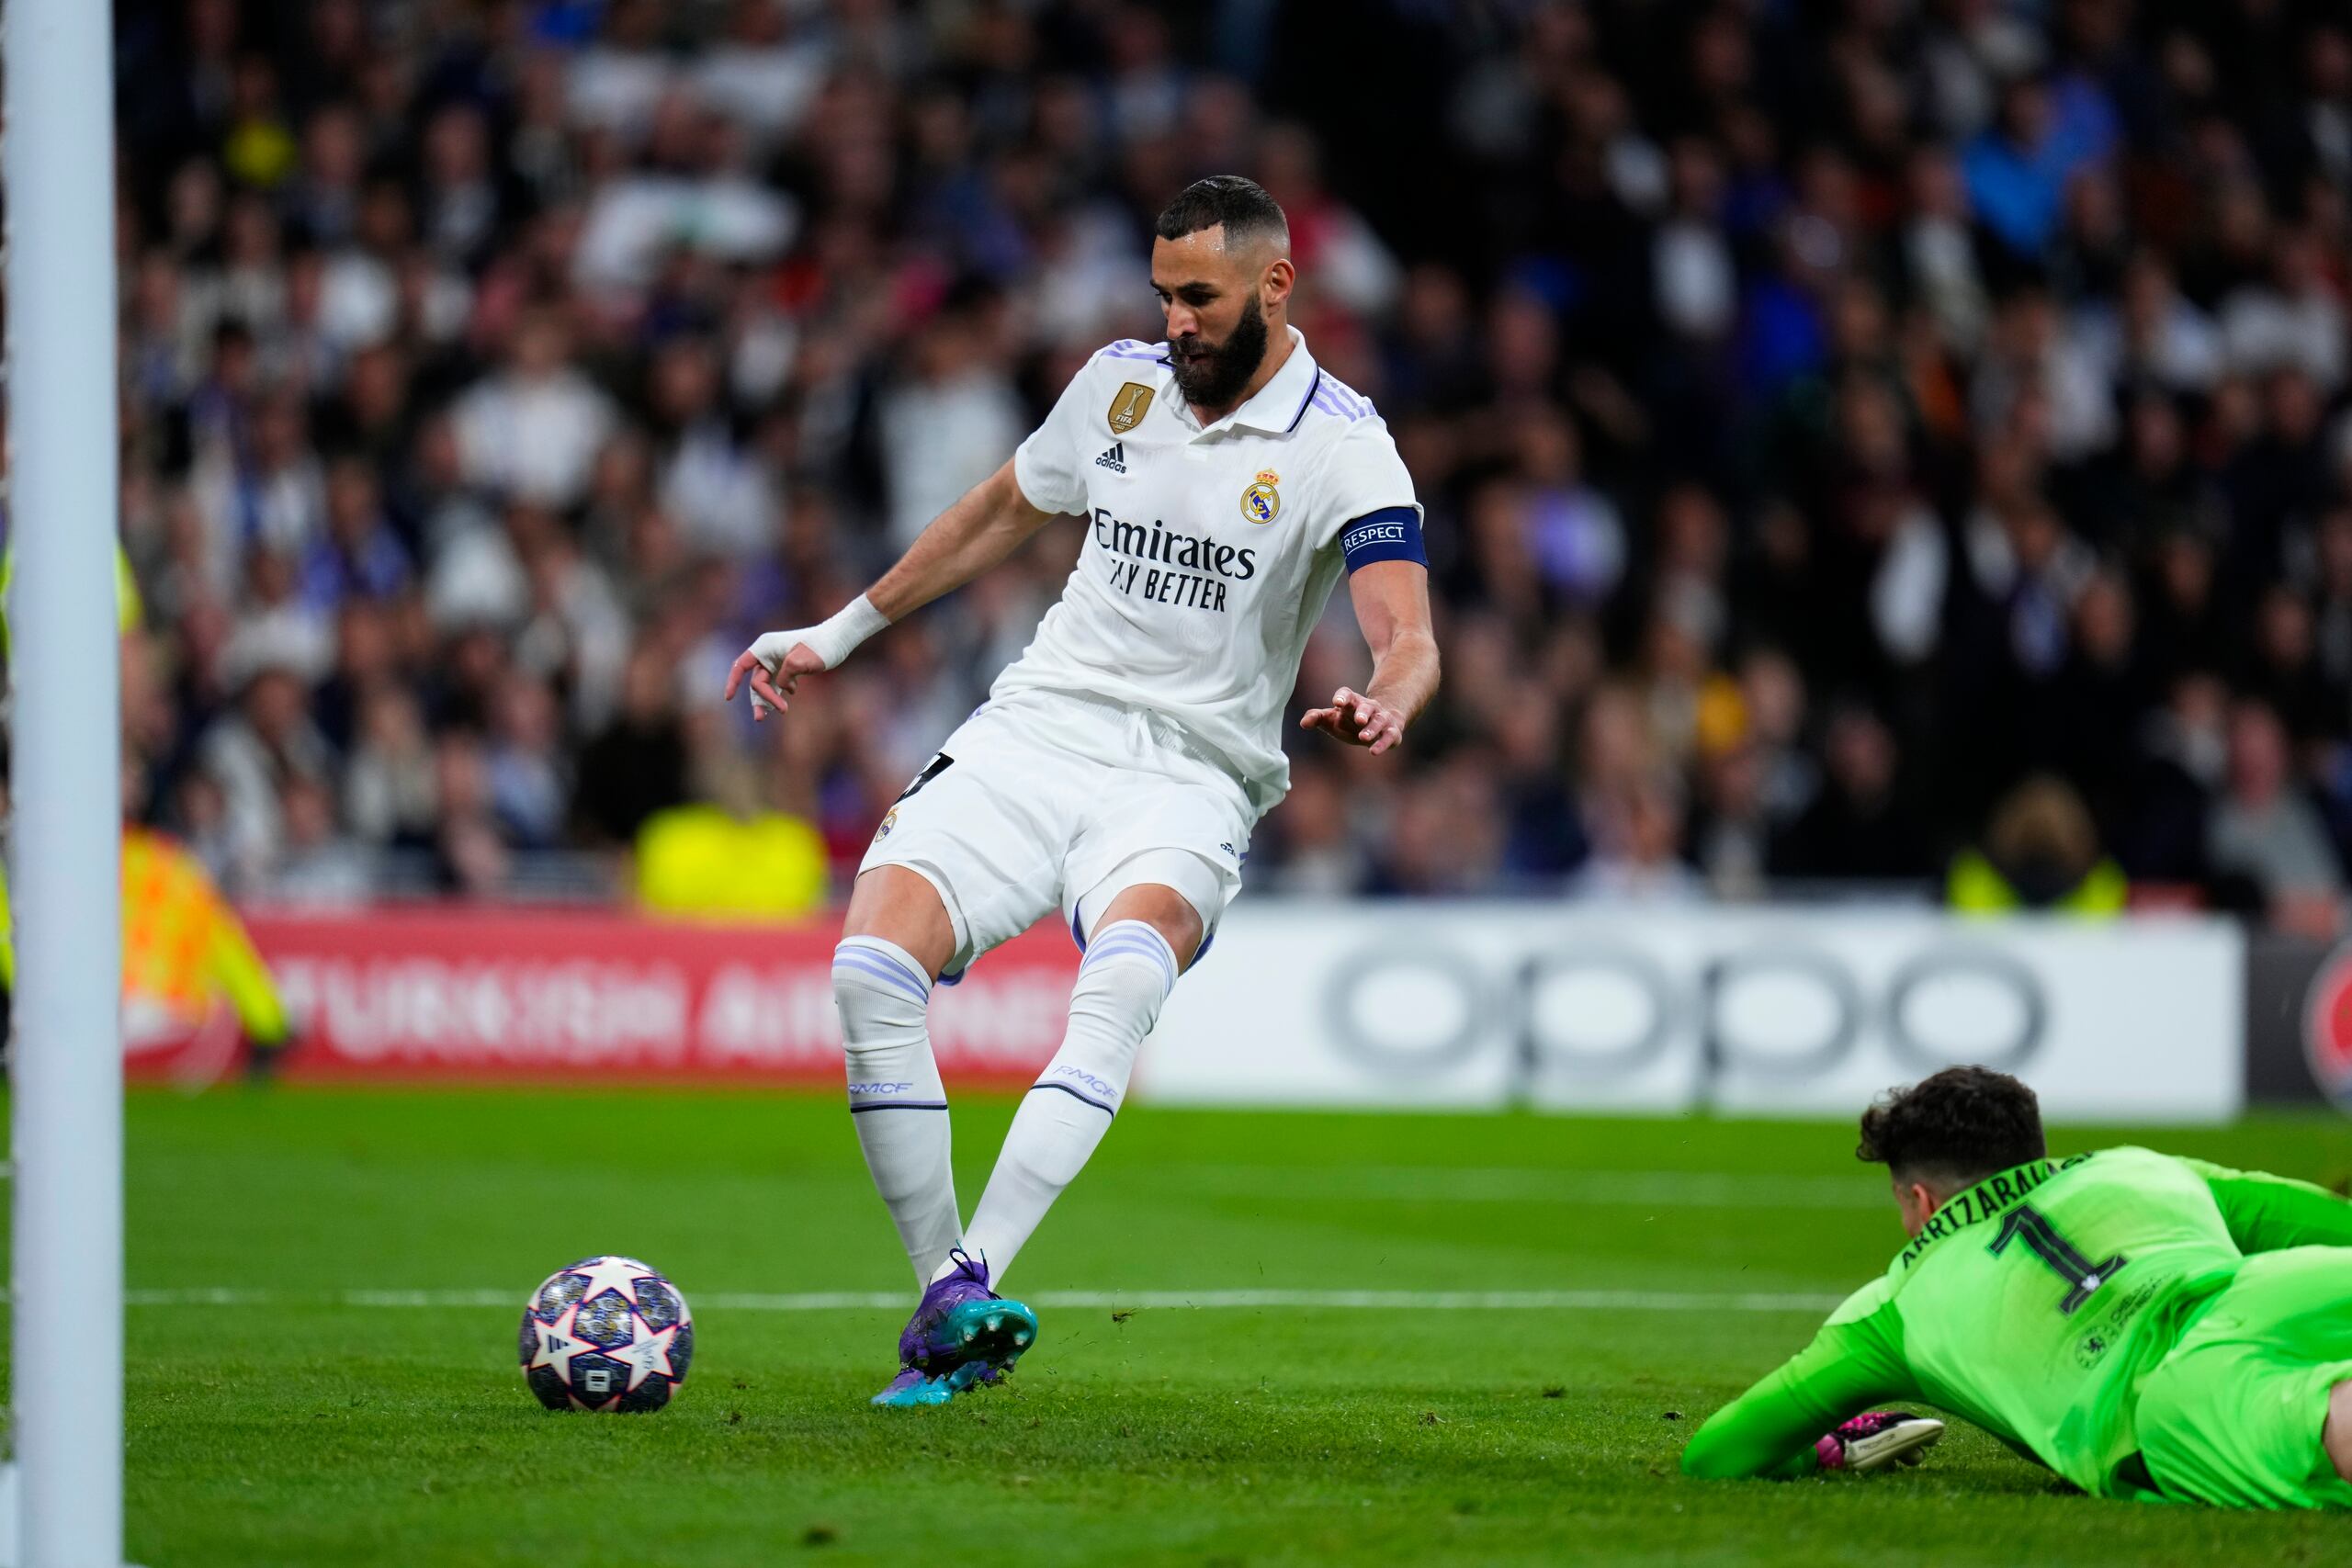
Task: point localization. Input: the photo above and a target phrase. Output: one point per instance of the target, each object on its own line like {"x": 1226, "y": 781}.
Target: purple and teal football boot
{"x": 911, "y": 1388}
{"x": 963, "y": 1334}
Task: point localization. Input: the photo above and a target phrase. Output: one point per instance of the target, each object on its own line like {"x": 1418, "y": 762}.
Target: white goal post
{"x": 57, "y": 162}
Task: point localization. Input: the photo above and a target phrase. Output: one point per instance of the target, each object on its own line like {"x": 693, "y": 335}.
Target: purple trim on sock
{"x": 1106, "y": 1110}
{"x": 888, "y": 976}
{"x": 1130, "y": 930}
{"x": 1113, "y": 948}
{"x": 1144, "y": 941}
{"x": 1119, "y": 941}
{"x": 899, "y": 1105}
{"x": 1158, "y": 962}
{"x": 858, "y": 961}
{"x": 860, "y": 945}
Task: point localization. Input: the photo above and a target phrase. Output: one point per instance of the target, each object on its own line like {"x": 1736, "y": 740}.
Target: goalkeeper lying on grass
{"x": 2146, "y": 1326}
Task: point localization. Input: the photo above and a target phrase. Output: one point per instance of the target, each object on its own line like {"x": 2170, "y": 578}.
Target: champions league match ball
{"x": 606, "y": 1333}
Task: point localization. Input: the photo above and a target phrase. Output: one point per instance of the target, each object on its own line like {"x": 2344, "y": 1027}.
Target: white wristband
{"x": 841, "y": 631}
{"x": 831, "y": 640}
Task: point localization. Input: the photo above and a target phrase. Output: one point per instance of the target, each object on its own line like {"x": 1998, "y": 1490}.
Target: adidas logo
{"x": 1114, "y": 459}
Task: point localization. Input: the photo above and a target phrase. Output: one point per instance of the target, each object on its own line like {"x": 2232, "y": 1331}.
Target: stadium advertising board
{"x": 1783, "y": 1010}
{"x": 2299, "y": 1020}
{"x": 2327, "y": 1028}
{"x": 509, "y": 994}
{"x": 1376, "y": 1005}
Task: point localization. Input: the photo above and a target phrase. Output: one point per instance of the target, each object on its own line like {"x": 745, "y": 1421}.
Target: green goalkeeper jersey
{"x": 2030, "y": 1305}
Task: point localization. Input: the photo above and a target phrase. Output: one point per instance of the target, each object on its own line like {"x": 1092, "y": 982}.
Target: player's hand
{"x": 777, "y": 662}
{"x": 775, "y": 665}
{"x": 1878, "y": 1439}
{"x": 1357, "y": 719}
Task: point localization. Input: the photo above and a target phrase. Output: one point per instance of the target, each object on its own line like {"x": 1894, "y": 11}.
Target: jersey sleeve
{"x": 1855, "y": 1361}
{"x": 1372, "y": 515}
{"x": 1045, "y": 466}
{"x": 2266, "y": 1213}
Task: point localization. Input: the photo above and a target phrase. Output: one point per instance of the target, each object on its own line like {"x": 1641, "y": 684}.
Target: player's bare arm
{"x": 990, "y": 521}
{"x": 1391, "y": 602}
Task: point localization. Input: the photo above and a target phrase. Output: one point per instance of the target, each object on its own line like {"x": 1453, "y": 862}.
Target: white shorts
{"x": 1049, "y": 801}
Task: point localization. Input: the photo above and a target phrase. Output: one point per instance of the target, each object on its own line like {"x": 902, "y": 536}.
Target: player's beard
{"x": 1213, "y": 375}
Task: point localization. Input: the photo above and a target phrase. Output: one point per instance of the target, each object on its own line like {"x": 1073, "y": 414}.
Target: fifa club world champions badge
{"x": 1129, "y": 406}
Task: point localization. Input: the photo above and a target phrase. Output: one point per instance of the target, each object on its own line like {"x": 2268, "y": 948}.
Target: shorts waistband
{"x": 1167, "y": 731}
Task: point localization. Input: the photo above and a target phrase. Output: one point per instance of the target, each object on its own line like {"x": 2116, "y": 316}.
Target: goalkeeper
{"x": 2146, "y": 1326}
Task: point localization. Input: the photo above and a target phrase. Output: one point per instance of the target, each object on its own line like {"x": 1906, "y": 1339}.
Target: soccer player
{"x": 2146, "y": 1326}
{"x": 1226, "y": 482}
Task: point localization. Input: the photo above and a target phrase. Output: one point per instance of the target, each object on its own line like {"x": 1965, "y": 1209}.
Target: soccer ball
{"x": 606, "y": 1333}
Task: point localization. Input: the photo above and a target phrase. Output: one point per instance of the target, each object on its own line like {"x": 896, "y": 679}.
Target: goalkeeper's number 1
{"x": 2027, "y": 1223}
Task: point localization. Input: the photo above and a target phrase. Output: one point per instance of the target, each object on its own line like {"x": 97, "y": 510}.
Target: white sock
{"x": 896, "y": 1098}
{"x": 1128, "y": 972}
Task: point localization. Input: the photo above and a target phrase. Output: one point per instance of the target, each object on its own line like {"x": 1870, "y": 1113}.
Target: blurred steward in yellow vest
{"x": 191, "y": 973}
{"x": 2041, "y": 853}
{"x": 704, "y": 859}
{"x": 188, "y": 964}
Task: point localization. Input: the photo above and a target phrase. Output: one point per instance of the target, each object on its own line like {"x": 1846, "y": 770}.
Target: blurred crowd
{"x": 1859, "y": 437}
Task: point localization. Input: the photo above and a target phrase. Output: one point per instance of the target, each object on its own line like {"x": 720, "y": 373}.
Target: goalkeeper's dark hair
{"x": 1240, "y": 204}
{"x": 1955, "y": 1128}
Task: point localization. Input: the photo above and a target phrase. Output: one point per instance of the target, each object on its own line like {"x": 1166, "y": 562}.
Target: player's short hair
{"x": 1952, "y": 1129}
{"x": 1238, "y": 202}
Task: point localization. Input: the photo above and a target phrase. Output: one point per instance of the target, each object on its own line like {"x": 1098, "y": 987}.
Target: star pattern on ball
{"x": 601, "y": 1334}
{"x": 611, "y": 1274}
{"x": 649, "y": 1354}
{"x": 558, "y": 1345}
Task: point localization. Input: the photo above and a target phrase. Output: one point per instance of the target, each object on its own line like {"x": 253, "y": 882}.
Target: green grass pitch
{"x": 308, "y": 1426}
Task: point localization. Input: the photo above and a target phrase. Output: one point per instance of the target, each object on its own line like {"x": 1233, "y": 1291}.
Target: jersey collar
{"x": 1280, "y": 404}
{"x": 1994, "y": 1195}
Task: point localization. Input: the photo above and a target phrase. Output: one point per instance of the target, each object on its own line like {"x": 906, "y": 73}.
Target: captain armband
{"x": 1393, "y": 532}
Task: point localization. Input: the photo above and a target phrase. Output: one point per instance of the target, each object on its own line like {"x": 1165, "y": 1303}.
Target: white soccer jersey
{"x": 1209, "y": 552}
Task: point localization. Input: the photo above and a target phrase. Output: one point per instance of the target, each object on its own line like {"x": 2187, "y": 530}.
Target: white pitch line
{"x": 1456, "y": 1301}
{"x": 1505, "y": 1184}
{"x": 893, "y": 1300}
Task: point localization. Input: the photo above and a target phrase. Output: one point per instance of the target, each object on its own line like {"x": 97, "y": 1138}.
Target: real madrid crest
{"x": 1262, "y": 502}
{"x": 1129, "y": 406}
{"x": 889, "y": 820}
